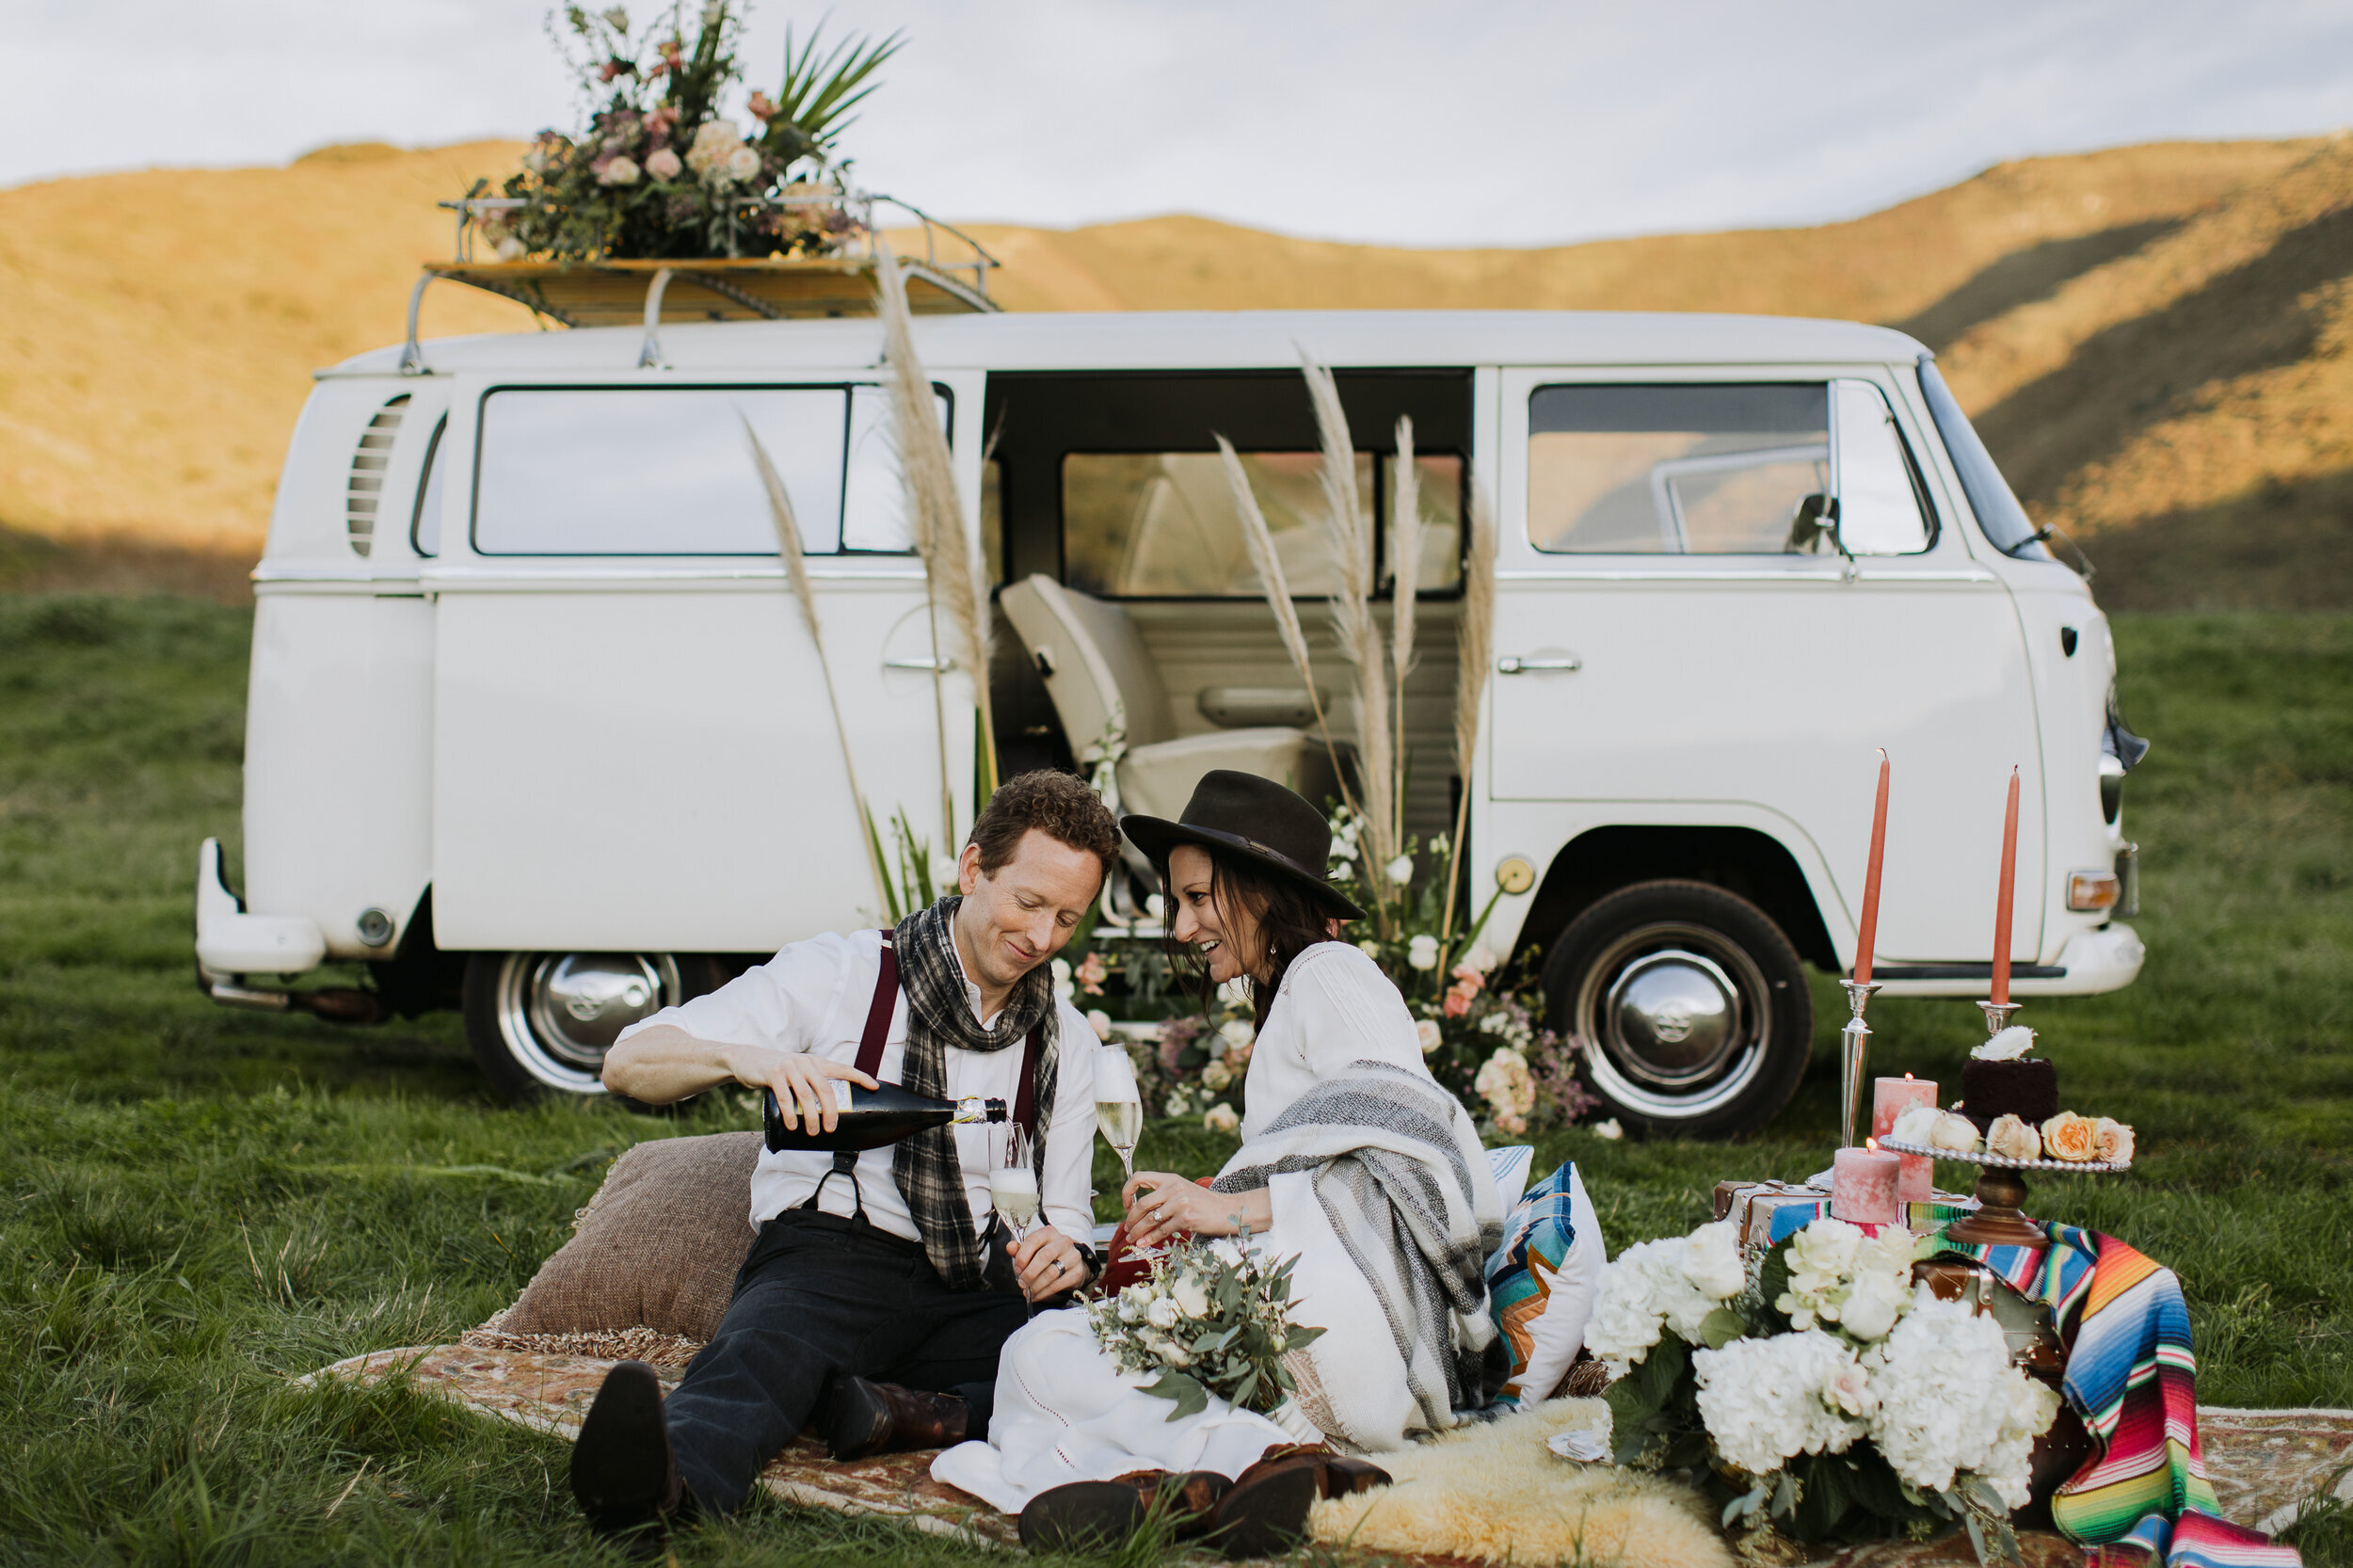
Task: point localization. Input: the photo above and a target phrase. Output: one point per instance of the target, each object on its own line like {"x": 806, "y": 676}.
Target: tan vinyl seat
{"x": 1102, "y": 681}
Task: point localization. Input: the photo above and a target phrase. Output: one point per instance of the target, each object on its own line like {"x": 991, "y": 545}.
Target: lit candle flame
{"x": 1907, "y": 1076}
{"x": 1871, "y": 1143}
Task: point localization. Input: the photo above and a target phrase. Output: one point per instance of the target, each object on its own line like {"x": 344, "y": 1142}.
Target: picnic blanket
{"x": 2133, "y": 1381}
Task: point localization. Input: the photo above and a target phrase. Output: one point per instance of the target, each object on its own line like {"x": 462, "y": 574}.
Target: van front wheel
{"x": 540, "y": 1022}
{"x": 1688, "y": 1005}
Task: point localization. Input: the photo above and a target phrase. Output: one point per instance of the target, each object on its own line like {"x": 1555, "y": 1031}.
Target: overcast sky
{"x": 1501, "y": 123}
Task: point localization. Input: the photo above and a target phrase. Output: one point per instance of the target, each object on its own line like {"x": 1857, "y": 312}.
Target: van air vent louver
{"x": 367, "y": 474}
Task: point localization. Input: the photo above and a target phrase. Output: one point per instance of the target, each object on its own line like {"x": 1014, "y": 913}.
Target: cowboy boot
{"x": 624, "y": 1473}
{"x": 1091, "y": 1516}
{"x": 1264, "y": 1514}
{"x": 865, "y": 1418}
{"x": 1187, "y": 1497}
{"x": 1338, "y": 1475}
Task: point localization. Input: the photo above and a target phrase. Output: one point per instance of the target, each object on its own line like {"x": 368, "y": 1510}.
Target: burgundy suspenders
{"x": 870, "y": 1053}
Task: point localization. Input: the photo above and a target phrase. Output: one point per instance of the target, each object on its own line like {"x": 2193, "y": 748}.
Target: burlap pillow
{"x": 656, "y": 1249}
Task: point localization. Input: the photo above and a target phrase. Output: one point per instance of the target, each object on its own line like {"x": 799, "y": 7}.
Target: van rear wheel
{"x": 540, "y": 1023}
{"x": 1689, "y": 1007}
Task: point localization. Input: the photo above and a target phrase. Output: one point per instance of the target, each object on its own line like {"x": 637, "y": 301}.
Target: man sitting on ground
{"x": 872, "y": 1299}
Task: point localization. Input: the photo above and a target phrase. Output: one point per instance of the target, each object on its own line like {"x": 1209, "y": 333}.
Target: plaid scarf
{"x": 939, "y": 1016}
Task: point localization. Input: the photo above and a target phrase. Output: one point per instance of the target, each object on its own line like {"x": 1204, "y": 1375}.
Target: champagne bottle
{"x": 869, "y": 1118}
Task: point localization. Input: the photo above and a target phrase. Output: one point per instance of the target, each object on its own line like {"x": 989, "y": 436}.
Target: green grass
{"x": 196, "y": 1206}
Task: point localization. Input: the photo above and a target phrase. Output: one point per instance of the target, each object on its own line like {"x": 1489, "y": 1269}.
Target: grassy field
{"x": 196, "y": 1205}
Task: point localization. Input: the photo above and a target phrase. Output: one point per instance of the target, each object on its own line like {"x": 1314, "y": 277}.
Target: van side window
{"x": 1718, "y": 470}
{"x": 1165, "y": 523}
{"x": 631, "y": 470}
{"x": 425, "y": 526}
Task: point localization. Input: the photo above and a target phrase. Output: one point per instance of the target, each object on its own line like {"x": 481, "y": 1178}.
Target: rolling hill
{"x": 2153, "y": 339}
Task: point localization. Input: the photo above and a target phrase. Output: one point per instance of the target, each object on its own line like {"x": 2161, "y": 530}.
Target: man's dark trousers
{"x": 820, "y": 1297}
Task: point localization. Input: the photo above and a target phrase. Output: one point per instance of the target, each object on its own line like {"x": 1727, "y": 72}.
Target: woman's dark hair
{"x": 1290, "y": 922}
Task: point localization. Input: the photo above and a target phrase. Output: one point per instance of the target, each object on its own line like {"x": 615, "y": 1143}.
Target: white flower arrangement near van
{"x": 1828, "y": 1396}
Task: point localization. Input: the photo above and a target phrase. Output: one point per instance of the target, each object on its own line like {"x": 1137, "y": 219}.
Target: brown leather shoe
{"x": 1186, "y": 1499}
{"x": 865, "y": 1418}
{"x": 1265, "y": 1513}
{"x": 1338, "y": 1475}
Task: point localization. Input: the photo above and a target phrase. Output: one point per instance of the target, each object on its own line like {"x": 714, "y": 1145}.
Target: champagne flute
{"x": 1013, "y": 1185}
{"x": 1118, "y": 1106}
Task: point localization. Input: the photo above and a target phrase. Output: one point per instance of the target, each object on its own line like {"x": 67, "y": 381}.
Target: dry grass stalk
{"x": 928, "y": 469}
{"x": 1351, "y": 536}
{"x": 1405, "y": 583}
{"x": 1259, "y": 540}
{"x": 797, "y": 569}
{"x": 1474, "y": 644}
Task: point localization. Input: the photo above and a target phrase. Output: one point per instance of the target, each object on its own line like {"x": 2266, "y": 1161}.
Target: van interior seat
{"x": 1101, "y": 679}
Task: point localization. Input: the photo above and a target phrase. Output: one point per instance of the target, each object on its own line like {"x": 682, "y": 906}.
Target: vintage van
{"x": 536, "y": 726}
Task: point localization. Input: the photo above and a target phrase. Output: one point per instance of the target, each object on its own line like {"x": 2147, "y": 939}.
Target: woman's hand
{"x": 1158, "y": 1205}
{"x": 1047, "y": 1263}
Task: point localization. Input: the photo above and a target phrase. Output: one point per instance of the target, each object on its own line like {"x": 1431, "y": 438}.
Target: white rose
{"x": 1432, "y": 1035}
{"x": 1479, "y": 958}
{"x": 742, "y": 166}
{"x": 1872, "y": 1307}
{"x": 1235, "y": 992}
{"x": 715, "y": 141}
{"x": 1222, "y": 1118}
{"x": 1914, "y": 1125}
{"x": 1422, "y": 953}
{"x": 1953, "y": 1132}
{"x": 665, "y": 164}
{"x": 1216, "y": 1077}
{"x": 618, "y": 170}
{"x": 1371, "y": 949}
{"x": 1100, "y": 1023}
{"x": 1237, "y": 1031}
{"x": 1191, "y": 1295}
{"x": 2014, "y": 1138}
{"x": 1400, "y": 870}
{"x": 2112, "y": 1141}
{"x": 1162, "y": 1313}
{"x": 1609, "y": 1129}
{"x": 1342, "y": 848}
{"x": 2008, "y": 1045}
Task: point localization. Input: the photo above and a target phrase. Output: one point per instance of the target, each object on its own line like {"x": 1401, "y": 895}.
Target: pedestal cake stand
{"x": 2001, "y": 1191}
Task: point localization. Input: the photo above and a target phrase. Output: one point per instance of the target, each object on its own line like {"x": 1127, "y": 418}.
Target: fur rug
{"x": 1497, "y": 1492}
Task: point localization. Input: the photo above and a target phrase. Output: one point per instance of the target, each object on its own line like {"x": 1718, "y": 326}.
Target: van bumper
{"x": 2104, "y": 959}
{"x": 231, "y": 944}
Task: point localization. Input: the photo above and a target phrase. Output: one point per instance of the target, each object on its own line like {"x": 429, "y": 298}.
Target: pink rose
{"x": 2012, "y": 1139}
{"x": 665, "y": 164}
{"x": 1456, "y": 1004}
{"x": 762, "y": 107}
{"x": 2113, "y": 1140}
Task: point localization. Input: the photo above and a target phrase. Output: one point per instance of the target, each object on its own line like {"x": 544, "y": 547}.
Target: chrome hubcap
{"x": 560, "y": 1012}
{"x": 1676, "y": 1021}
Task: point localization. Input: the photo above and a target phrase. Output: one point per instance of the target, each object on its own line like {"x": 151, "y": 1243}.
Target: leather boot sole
{"x": 1082, "y": 1515}
{"x": 1264, "y": 1516}
{"x": 624, "y": 1475}
{"x": 857, "y": 1422}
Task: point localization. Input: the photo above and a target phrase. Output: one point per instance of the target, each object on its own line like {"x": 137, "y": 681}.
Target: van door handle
{"x": 1512, "y": 664}
{"x": 940, "y": 666}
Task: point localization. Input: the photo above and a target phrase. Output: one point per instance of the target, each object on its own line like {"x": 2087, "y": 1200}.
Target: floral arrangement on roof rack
{"x": 1825, "y": 1397}
{"x": 662, "y": 172}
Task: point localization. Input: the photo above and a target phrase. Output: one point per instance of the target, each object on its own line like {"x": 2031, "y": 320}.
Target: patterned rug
{"x": 2263, "y": 1462}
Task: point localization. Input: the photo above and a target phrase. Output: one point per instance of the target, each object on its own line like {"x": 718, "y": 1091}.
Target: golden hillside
{"x": 2152, "y": 337}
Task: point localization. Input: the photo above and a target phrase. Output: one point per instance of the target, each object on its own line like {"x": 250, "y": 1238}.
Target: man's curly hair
{"x": 1062, "y": 805}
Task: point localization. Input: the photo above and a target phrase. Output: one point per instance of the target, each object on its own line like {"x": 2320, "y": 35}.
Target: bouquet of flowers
{"x": 1213, "y": 1318}
{"x": 1827, "y": 1397}
{"x": 662, "y": 171}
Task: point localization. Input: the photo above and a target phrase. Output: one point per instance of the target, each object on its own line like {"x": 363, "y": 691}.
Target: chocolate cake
{"x": 2000, "y": 1078}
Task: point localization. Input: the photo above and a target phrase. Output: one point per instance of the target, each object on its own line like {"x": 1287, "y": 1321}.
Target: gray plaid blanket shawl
{"x": 1398, "y": 1170}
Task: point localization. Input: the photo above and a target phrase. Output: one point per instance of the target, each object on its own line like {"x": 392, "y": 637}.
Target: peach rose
{"x": 2012, "y": 1139}
{"x": 2068, "y": 1136}
{"x": 2113, "y": 1140}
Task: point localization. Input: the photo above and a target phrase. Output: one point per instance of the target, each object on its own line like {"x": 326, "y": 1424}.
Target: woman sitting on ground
{"x": 1354, "y": 1161}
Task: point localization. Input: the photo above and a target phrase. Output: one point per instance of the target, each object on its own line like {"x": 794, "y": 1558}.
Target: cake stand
{"x": 2001, "y": 1191}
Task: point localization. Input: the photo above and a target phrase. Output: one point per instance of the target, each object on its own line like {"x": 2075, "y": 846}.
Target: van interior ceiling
{"x": 1111, "y": 485}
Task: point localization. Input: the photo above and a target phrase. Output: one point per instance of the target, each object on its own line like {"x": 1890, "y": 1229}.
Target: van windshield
{"x": 2004, "y": 521}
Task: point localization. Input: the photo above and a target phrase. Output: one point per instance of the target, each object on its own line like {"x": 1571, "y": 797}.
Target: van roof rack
{"x": 618, "y": 293}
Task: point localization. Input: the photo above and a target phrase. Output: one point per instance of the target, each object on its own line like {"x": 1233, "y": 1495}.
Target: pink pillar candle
{"x": 1863, "y": 1187}
{"x": 1890, "y": 1098}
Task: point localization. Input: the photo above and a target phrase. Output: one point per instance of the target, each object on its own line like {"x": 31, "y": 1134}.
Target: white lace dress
{"x": 1064, "y": 1412}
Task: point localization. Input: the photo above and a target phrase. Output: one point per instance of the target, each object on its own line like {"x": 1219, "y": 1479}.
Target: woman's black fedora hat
{"x": 1252, "y": 819}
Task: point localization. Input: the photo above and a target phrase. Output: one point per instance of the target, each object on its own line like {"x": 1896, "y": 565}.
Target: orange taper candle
{"x": 1868, "y": 937}
{"x": 2003, "y": 900}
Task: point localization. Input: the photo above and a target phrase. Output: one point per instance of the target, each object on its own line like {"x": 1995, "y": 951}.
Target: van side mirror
{"x": 1814, "y": 519}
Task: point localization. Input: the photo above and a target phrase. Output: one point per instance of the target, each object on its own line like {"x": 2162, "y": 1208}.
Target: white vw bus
{"x": 536, "y": 726}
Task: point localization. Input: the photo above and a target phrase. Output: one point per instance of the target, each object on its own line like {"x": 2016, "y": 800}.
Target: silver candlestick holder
{"x": 1852, "y": 1041}
{"x": 1997, "y": 1015}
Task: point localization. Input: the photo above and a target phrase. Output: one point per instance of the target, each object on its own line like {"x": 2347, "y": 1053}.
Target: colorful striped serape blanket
{"x": 2132, "y": 1379}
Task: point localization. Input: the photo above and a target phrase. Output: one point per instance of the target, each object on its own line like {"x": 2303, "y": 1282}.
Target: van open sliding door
{"x": 633, "y": 750}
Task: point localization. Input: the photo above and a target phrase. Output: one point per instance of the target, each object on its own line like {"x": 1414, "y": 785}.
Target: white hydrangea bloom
{"x": 1950, "y": 1401}
{"x": 1767, "y": 1400}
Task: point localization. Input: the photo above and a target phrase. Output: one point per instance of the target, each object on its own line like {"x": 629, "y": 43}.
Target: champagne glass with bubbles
{"x": 1118, "y": 1106}
{"x": 1013, "y": 1183}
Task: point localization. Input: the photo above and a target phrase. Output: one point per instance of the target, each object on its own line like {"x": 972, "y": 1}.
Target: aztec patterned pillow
{"x": 1541, "y": 1283}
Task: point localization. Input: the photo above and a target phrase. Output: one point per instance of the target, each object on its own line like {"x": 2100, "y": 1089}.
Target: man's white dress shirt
{"x": 814, "y": 996}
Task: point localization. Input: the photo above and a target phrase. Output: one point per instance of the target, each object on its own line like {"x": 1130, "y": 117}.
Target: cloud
{"x": 1512, "y": 122}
